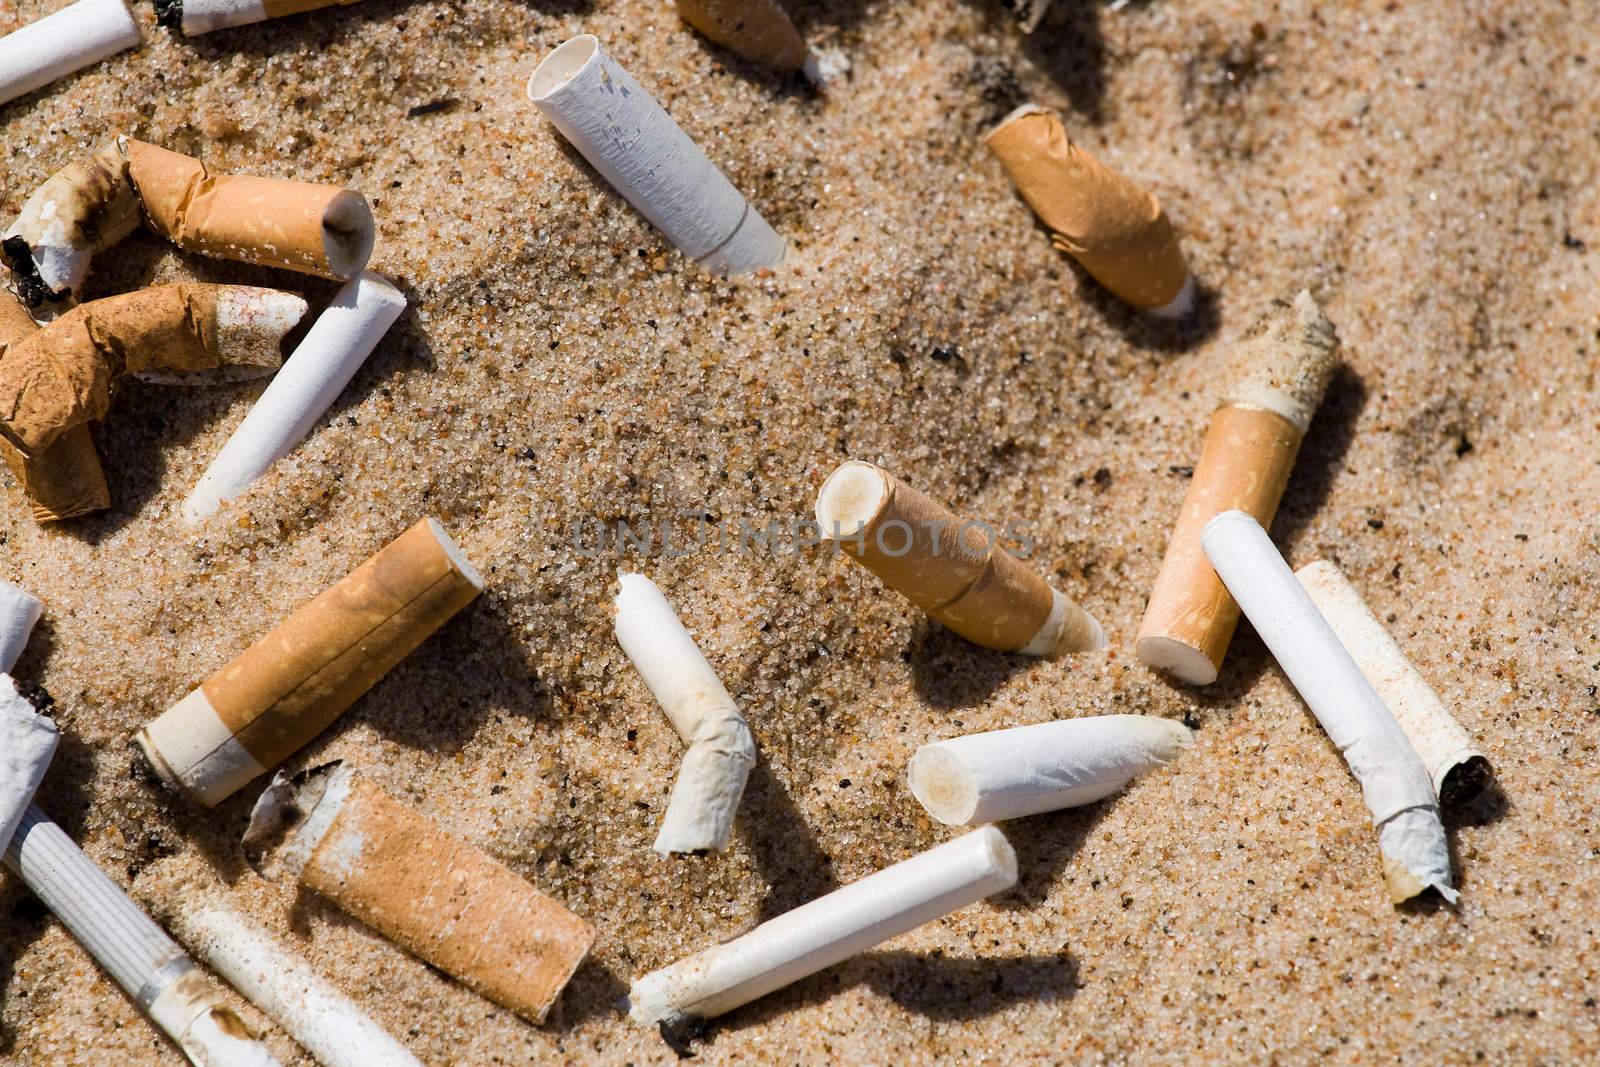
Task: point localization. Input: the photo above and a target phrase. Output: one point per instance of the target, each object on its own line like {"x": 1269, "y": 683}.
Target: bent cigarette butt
{"x": 1277, "y": 376}
{"x": 828, "y": 930}
{"x": 428, "y": 891}
{"x": 19, "y": 611}
{"x": 952, "y": 569}
{"x": 625, "y": 135}
{"x": 138, "y": 955}
{"x": 721, "y": 751}
{"x": 299, "y": 226}
{"x": 292, "y": 684}
{"x": 27, "y": 743}
{"x": 1112, "y": 226}
{"x": 57, "y": 45}
{"x": 312, "y": 378}
{"x": 283, "y": 985}
{"x": 1007, "y": 774}
{"x": 1458, "y": 770}
{"x": 758, "y": 30}
{"x": 195, "y": 17}
{"x": 1394, "y": 783}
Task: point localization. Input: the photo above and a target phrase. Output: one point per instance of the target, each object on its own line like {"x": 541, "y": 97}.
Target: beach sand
{"x": 1427, "y": 170}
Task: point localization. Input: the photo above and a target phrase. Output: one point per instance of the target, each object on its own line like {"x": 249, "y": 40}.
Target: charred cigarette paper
{"x": 828, "y": 930}
{"x": 952, "y": 569}
{"x": 75, "y": 37}
{"x": 1394, "y": 783}
{"x": 626, "y": 136}
{"x": 1278, "y": 374}
{"x": 758, "y": 30}
{"x": 289, "y": 686}
{"x": 431, "y": 893}
{"x": 195, "y": 17}
{"x": 1007, "y": 774}
{"x": 1110, "y": 225}
{"x": 278, "y": 981}
{"x": 721, "y": 751}
{"x": 1458, "y": 770}
{"x": 312, "y": 378}
{"x": 19, "y": 611}
{"x": 27, "y": 742}
{"x": 149, "y": 966}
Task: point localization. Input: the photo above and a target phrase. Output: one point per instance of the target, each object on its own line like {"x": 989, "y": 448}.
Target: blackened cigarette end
{"x": 169, "y": 13}
{"x": 1465, "y": 782}
{"x": 285, "y": 807}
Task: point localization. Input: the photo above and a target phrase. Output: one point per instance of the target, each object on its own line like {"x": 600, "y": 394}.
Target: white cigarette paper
{"x": 27, "y": 742}
{"x": 635, "y": 145}
{"x": 78, "y": 35}
{"x": 279, "y": 982}
{"x": 135, "y": 952}
{"x": 1458, "y": 770}
{"x": 18, "y": 612}
{"x": 195, "y": 17}
{"x": 310, "y": 381}
{"x": 827, "y": 931}
{"x": 1394, "y": 783}
{"x": 721, "y": 750}
{"x": 1007, "y": 774}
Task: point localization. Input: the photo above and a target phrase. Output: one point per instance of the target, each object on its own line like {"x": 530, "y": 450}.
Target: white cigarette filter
{"x": 149, "y": 966}
{"x": 311, "y": 379}
{"x": 278, "y": 981}
{"x": 828, "y": 930}
{"x": 721, "y": 751}
{"x": 195, "y": 17}
{"x": 952, "y": 569}
{"x": 19, "y": 610}
{"x": 1007, "y": 774}
{"x": 1394, "y": 783}
{"x": 75, "y": 37}
{"x": 635, "y": 145}
{"x": 27, "y": 742}
{"x": 1458, "y": 770}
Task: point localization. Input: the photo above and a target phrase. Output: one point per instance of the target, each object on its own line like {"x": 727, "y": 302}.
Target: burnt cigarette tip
{"x": 284, "y": 823}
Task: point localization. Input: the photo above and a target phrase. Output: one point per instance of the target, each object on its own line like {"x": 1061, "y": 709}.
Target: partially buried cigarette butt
{"x": 293, "y": 683}
{"x": 1278, "y": 374}
{"x": 430, "y": 892}
{"x": 760, "y": 31}
{"x": 1113, "y": 227}
{"x": 635, "y": 145}
{"x": 952, "y": 569}
{"x": 59, "y": 44}
{"x": 828, "y": 930}
{"x": 1007, "y": 774}
{"x": 1458, "y": 770}
{"x": 195, "y": 17}
{"x": 721, "y": 750}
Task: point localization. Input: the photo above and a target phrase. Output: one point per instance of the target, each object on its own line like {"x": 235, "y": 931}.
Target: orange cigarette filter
{"x": 758, "y": 30}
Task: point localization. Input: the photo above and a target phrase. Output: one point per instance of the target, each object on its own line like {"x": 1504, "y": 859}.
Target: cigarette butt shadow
{"x": 23, "y": 920}
{"x": 951, "y": 673}
{"x": 1068, "y": 46}
{"x": 1168, "y": 336}
{"x": 1044, "y": 845}
{"x": 1246, "y": 661}
{"x": 593, "y": 992}
{"x": 216, "y": 832}
{"x": 41, "y": 642}
{"x": 1321, "y": 456}
{"x": 792, "y": 863}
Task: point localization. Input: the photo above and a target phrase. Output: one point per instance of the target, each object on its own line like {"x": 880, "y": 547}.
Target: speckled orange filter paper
{"x": 758, "y": 30}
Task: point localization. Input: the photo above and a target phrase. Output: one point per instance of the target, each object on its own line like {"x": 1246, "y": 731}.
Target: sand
{"x": 1428, "y": 170}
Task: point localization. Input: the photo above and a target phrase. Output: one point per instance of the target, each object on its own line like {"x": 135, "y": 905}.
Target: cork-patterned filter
{"x": 758, "y": 30}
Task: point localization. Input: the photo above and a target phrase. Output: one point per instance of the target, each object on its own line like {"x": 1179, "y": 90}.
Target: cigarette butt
{"x": 195, "y": 17}
{"x": 27, "y": 743}
{"x": 293, "y": 683}
{"x": 1458, "y": 770}
{"x": 433, "y": 894}
{"x": 721, "y": 751}
{"x": 828, "y": 930}
{"x": 19, "y": 611}
{"x": 758, "y": 30}
{"x": 83, "y": 208}
{"x": 1394, "y": 783}
{"x": 1007, "y": 774}
{"x": 148, "y": 965}
{"x": 313, "y": 229}
{"x": 75, "y": 37}
{"x": 625, "y": 135}
{"x": 1106, "y": 222}
{"x": 312, "y": 378}
{"x": 952, "y": 569}
{"x": 1278, "y": 374}
{"x": 61, "y": 376}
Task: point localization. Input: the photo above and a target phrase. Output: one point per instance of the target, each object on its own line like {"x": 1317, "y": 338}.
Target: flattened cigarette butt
{"x": 19, "y": 611}
{"x": 60, "y": 44}
{"x": 1394, "y": 783}
{"x": 828, "y": 930}
{"x": 1113, "y": 227}
{"x": 1277, "y": 375}
{"x": 758, "y": 30}
{"x": 952, "y": 569}
{"x": 138, "y": 955}
{"x": 1458, "y": 770}
{"x": 60, "y": 377}
{"x": 721, "y": 750}
{"x": 282, "y": 984}
{"x": 293, "y": 683}
{"x": 195, "y": 17}
{"x": 430, "y": 892}
{"x": 625, "y": 135}
{"x": 27, "y": 743}
{"x": 1007, "y": 774}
